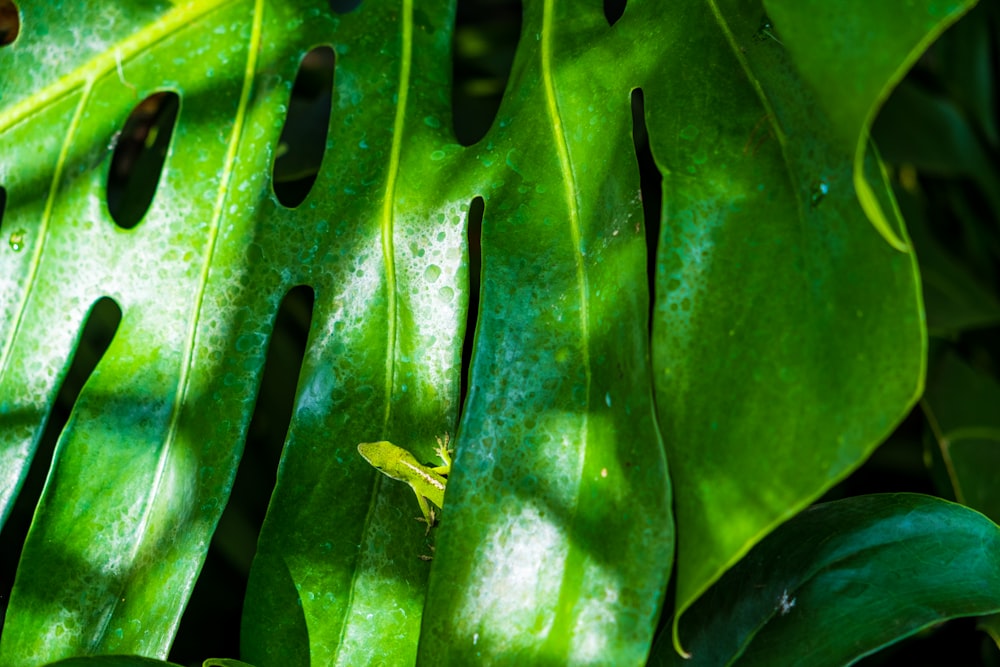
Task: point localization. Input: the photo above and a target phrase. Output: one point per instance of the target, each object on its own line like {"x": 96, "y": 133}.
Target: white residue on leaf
{"x": 785, "y": 603}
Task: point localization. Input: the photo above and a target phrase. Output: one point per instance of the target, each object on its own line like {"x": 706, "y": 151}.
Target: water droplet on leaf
{"x": 820, "y": 190}
{"x": 17, "y": 240}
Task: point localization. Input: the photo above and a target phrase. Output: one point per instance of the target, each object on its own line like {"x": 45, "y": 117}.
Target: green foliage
{"x": 117, "y": 661}
{"x": 782, "y": 342}
{"x": 859, "y": 565}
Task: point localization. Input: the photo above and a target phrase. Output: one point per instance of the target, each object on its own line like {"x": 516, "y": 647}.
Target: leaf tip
{"x": 675, "y": 632}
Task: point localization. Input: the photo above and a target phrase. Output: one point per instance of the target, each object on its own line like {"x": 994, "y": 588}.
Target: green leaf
{"x": 852, "y": 54}
{"x": 960, "y": 405}
{"x": 787, "y": 337}
{"x": 560, "y": 478}
{"x": 558, "y": 434}
{"x": 781, "y": 318}
{"x": 143, "y": 466}
{"x": 560, "y": 475}
{"x": 112, "y": 661}
{"x": 955, "y": 299}
{"x": 842, "y": 580}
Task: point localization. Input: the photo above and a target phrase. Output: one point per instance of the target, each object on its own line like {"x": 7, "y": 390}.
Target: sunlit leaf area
{"x": 499, "y": 332}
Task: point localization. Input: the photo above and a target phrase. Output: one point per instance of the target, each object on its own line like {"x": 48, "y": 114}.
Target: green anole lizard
{"x": 427, "y": 483}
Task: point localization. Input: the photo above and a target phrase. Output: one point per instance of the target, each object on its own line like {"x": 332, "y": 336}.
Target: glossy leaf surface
{"x": 842, "y": 580}
{"x": 564, "y": 461}
{"x": 782, "y": 317}
{"x": 961, "y": 408}
{"x": 851, "y": 54}
{"x": 112, "y": 661}
{"x": 558, "y": 445}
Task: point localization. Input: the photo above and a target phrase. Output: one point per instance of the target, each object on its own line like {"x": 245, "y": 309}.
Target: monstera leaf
{"x": 562, "y": 451}
{"x": 787, "y": 338}
{"x": 786, "y": 324}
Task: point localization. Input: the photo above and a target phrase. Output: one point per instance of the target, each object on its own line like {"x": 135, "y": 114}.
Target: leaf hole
{"x": 140, "y": 150}
{"x": 650, "y": 188}
{"x": 217, "y": 598}
{"x": 475, "y": 239}
{"x": 343, "y": 6}
{"x": 96, "y": 334}
{"x": 483, "y": 46}
{"x": 10, "y": 22}
{"x": 613, "y": 10}
{"x": 303, "y": 138}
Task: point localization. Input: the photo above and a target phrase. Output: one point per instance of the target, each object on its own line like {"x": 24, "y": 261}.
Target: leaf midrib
{"x": 559, "y": 637}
